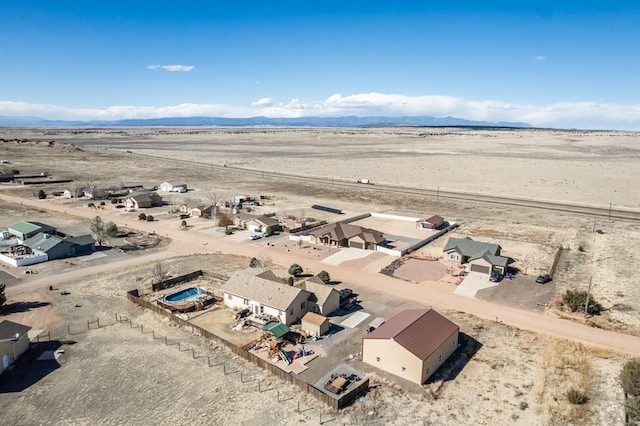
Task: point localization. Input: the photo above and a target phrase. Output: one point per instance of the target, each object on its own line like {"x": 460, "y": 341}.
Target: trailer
{"x": 364, "y": 181}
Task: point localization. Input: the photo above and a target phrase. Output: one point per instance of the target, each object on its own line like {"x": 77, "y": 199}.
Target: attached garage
{"x": 481, "y": 268}
{"x": 356, "y": 244}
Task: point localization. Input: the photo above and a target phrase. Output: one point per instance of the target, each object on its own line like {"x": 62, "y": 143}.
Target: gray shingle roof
{"x": 8, "y": 329}
{"x": 267, "y": 292}
{"x": 476, "y": 250}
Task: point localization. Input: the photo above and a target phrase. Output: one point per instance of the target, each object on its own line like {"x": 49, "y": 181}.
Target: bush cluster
{"x": 630, "y": 380}
{"x": 576, "y": 396}
{"x": 575, "y": 300}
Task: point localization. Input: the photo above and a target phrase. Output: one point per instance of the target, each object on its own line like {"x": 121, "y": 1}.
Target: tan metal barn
{"x": 14, "y": 341}
{"x": 411, "y": 345}
{"x": 315, "y": 324}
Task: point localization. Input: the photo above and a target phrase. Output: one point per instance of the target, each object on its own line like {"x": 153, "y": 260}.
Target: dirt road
{"x": 434, "y": 294}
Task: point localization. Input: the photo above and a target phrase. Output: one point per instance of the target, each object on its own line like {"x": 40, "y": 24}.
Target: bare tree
{"x": 159, "y": 273}
{"x": 214, "y": 198}
{"x": 98, "y": 230}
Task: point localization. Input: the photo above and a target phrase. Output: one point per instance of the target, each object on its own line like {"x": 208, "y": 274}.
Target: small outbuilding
{"x": 173, "y": 186}
{"x": 315, "y": 324}
{"x": 14, "y": 341}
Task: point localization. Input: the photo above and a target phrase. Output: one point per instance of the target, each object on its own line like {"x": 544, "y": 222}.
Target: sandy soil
{"x": 573, "y": 166}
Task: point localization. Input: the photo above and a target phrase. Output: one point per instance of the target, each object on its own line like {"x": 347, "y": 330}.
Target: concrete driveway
{"x": 472, "y": 283}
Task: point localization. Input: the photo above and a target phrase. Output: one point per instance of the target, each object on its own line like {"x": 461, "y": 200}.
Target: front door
{"x": 5, "y": 361}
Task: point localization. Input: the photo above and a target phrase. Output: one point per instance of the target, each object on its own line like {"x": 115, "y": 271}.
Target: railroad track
{"x": 609, "y": 212}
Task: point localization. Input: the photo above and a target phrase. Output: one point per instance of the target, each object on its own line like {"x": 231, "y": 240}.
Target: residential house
{"x": 347, "y": 235}
{"x": 265, "y": 294}
{"x": 314, "y": 324}
{"x": 57, "y": 247}
{"x": 24, "y": 230}
{"x": 324, "y": 299}
{"x": 92, "y": 192}
{"x": 73, "y": 193}
{"x": 411, "y": 345}
{"x": 240, "y": 219}
{"x": 265, "y": 224}
{"x": 173, "y": 186}
{"x": 481, "y": 257}
{"x": 202, "y": 211}
{"x": 433, "y": 222}
{"x": 143, "y": 200}
{"x": 14, "y": 341}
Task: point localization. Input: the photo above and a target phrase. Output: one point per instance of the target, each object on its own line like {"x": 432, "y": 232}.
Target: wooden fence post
{"x": 165, "y": 340}
{"x": 98, "y": 321}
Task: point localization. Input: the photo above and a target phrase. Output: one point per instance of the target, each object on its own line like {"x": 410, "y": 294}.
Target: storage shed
{"x": 315, "y": 324}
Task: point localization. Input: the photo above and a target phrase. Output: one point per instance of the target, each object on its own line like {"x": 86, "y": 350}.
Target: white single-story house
{"x": 173, "y": 186}
{"x": 14, "y": 341}
{"x": 481, "y": 257}
{"x": 265, "y": 293}
{"x": 412, "y": 344}
{"x": 314, "y": 324}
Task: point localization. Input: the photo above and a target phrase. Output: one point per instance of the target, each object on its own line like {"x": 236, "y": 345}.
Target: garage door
{"x": 355, "y": 244}
{"x": 480, "y": 268}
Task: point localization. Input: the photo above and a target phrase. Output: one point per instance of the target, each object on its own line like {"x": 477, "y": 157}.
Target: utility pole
{"x": 437, "y": 193}
{"x": 610, "y": 205}
{"x": 586, "y": 304}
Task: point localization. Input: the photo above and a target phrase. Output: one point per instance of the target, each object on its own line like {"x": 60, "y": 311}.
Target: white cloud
{"x": 262, "y": 102}
{"x": 171, "y": 68}
{"x": 586, "y": 115}
{"x": 540, "y": 58}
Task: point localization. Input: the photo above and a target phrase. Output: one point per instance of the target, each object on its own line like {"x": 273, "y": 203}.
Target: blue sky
{"x": 561, "y": 64}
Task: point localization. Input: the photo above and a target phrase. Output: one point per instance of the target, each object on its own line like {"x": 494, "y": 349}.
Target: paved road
{"x": 429, "y": 294}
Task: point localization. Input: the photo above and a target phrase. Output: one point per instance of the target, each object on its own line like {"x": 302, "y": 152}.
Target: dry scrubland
{"x": 510, "y": 369}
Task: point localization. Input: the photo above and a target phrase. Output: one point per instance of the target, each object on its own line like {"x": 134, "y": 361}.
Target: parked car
{"x": 543, "y": 279}
{"x": 495, "y": 277}
{"x": 255, "y": 237}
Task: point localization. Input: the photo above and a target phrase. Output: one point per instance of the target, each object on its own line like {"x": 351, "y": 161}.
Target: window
{"x": 453, "y": 344}
{"x": 291, "y": 312}
{"x": 302, "y": 305}
{"x": 427, "y": 371}
{"x": 228, "y": 296}
{"x": 439, "y": 358}
{"x": 378, "y": 359}
{"x": 246, "y": 302}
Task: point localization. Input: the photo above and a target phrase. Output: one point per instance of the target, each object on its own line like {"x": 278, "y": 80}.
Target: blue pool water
{"x": 182, "y": 295}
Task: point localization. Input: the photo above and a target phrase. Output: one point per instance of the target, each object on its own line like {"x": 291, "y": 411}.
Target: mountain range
{"x": 341, "y": 121}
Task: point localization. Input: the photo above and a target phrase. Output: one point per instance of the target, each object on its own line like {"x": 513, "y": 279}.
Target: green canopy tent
{"x": 278, "y": 329}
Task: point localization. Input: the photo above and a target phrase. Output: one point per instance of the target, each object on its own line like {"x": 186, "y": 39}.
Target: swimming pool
{"x": 188, "y": 294}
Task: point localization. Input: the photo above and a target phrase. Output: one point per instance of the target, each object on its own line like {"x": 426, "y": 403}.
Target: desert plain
{"x": 516, "y": 376}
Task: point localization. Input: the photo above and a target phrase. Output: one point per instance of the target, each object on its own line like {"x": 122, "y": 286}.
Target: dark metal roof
{"x": 8, "y": 329}
{"x": 420, "y": 331}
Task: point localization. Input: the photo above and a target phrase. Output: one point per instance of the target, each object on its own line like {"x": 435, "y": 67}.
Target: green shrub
{"x": 254, "y": 263}
{"x": 575, "y": 300}
{"x": 295, "y": 270}
{"x": 150, "y": 218}
{"x": 102, "y": 203}
{"x": 114, "y": 201}
{"x": 91, "y": 205}
{"x": 42, "y": 195}
{"x": 324, "y": 276}
{"x": 142, "y": 216}
{"x": 576, "y": 396}
{"x": 630, "y": 377}
{"x": 632, "y": 407}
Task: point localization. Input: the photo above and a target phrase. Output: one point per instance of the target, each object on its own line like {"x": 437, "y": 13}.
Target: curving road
{"x": 434, "y": 294}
